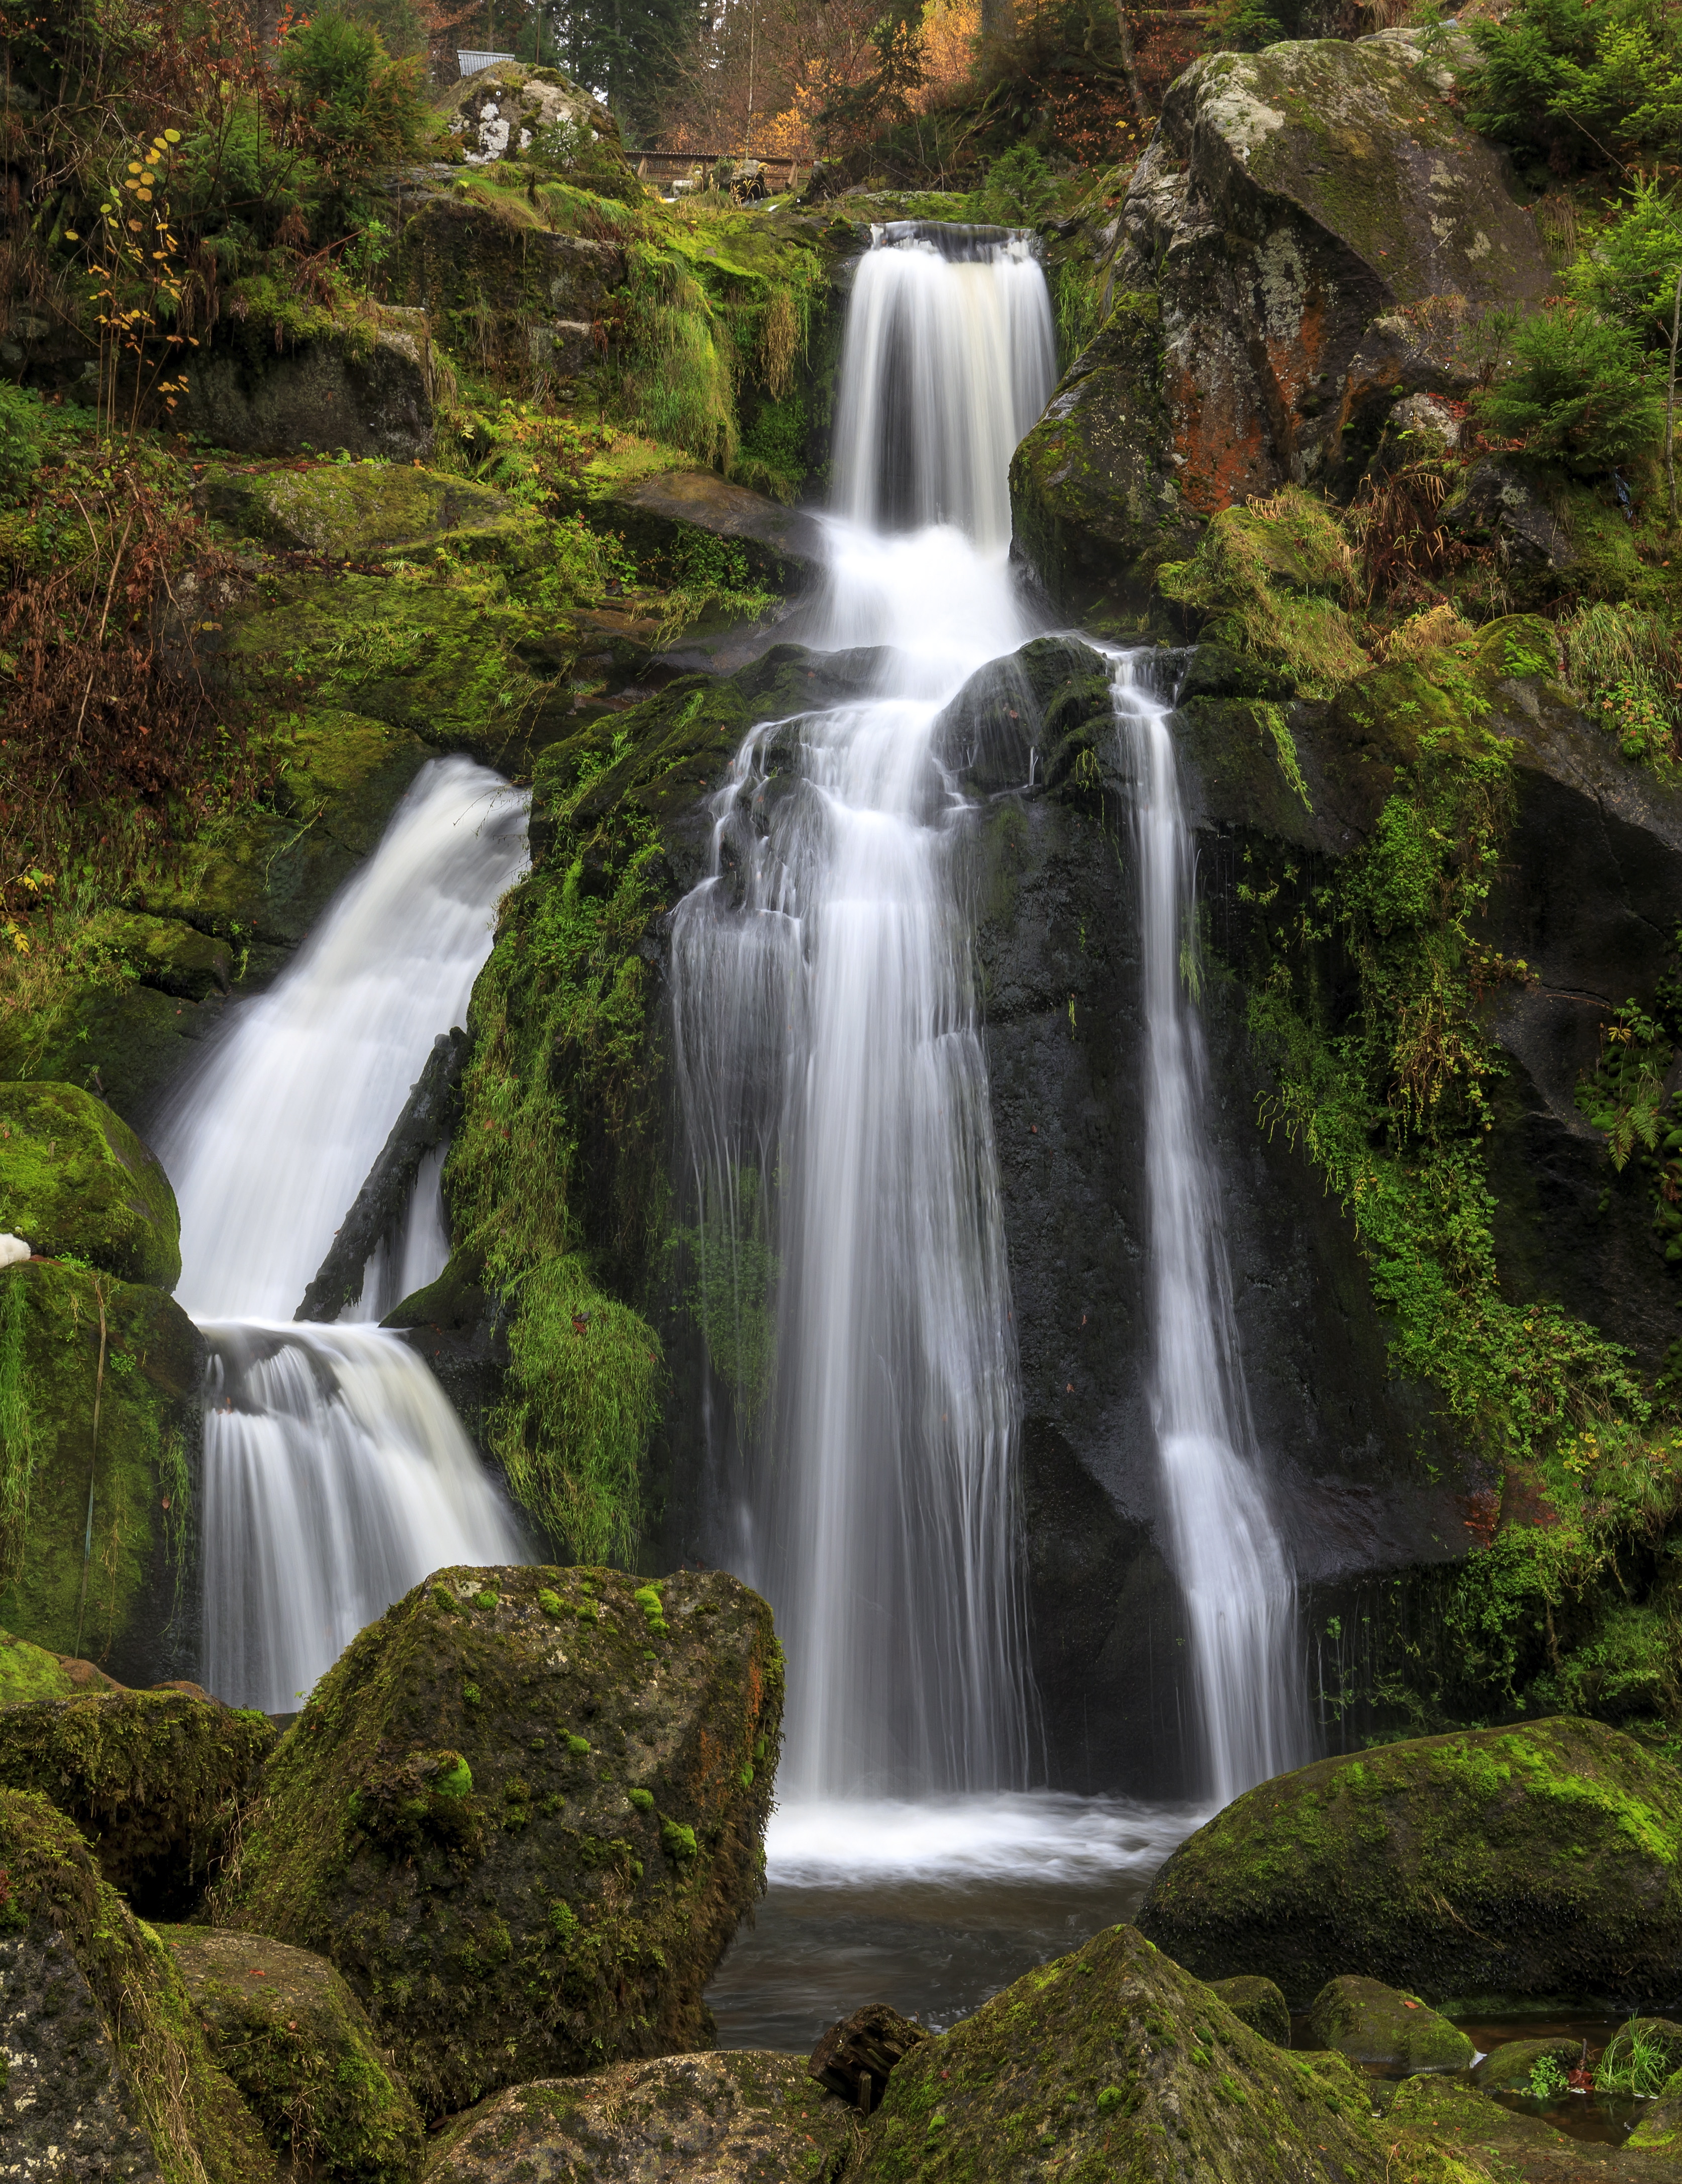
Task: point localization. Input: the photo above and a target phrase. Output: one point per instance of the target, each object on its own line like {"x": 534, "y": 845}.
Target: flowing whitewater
{"x": 835, "y": 1087}
{"x": 336, "y": 1474}
{"x": 1239, "y": 1592}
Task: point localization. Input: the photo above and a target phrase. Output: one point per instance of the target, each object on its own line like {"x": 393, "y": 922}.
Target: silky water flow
{"x": 847, "y": 1238}
{"x": 1240, "y": 1591}
{"x": 336, "y": 1472}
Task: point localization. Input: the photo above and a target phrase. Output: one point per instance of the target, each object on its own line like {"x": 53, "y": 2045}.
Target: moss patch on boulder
{"x": 451, "y": 1821}
{"x": 1258, "y": 2004}
{"x": 1114, "y": 2063}
{"x": 29, "y": 1673}
{"x": 741, "y": 2118}
{"x": 149, "y": 1777}
{"x": 1512, "y": 2068}
{"x": 298, "y": 2046}
{"x": 1540, "y": 1859}
{"x": 75, "y": 1182}
{"x": 103, "y": 2048}
{"x": 371, "y": 511}
{"x": 121, "y": 1592}
{"x": 1384, "y": 2030}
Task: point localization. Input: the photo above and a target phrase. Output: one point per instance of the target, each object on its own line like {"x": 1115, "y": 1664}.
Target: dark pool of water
{"x": 931, "y": 1907}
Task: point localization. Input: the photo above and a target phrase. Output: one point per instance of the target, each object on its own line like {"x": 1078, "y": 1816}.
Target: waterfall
{"x": 849, "y": 1239}
{"x": 1240, "y": 1592}
{"x": 336, "y": 1474}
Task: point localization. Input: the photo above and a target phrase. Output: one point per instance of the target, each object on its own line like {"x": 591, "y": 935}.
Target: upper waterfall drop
{"x": 1240, "y": 1590}
{"x": 834, "y": 1082}
{"x": 336, "y": 1474}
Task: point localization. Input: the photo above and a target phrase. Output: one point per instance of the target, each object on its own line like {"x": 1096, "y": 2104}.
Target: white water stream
{"x": 834, "y": 1085}
{"x": 336, "y": 1474}
{"x": 1239, "y": 1592}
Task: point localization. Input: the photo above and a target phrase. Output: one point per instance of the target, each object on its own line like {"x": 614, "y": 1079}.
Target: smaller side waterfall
{"x": 1238, "y": 1586}
{"x": 336, "y": 1474}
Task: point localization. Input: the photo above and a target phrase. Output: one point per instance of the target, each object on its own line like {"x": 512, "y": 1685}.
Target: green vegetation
{"x": 1575, "y": 390}
{"x": 1587, "y": 83}
{"x": 1640, "y": 2057}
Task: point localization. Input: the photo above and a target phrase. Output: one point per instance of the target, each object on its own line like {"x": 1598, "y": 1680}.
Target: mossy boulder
{"x": 1258, "y": 2004}
{"x": 1384, "y": 2030}
{"x": 1114, "y": 2063}
{"x": 522, "y": 1814}
{"x": 742, "y": 2118}
{"x": 371, "y": 511}
{"x": 1511, "y": 2068}
{"x": 1543, "y": 1859}
{"x": 1659, "y": 2128}
{"x": 1293, "y": 208}
{"x": 29, "y": 1673}
{"x": 75, "y": 1182}
{"x": 299, "y": 2046}
{"x": 1093, "y": 501}
{"x": 1483, "y": 2137}
{"x": 151, "y": 1777}
{"x": 107, "y": 2072}
{"x": 121, "y": 1591}
{"x": 362, "y": 386}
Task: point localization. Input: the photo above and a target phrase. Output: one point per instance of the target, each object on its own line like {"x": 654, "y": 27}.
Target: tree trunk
{"x": 1670, "y": 399}
{"x": 1124, "y": 27}
{"x": 997, "y": 20}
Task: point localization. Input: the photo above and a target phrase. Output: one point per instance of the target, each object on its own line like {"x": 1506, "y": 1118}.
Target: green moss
{"x": 494, "y": 1900}
{"x": 1276, "y": 579}
{"x": 197, "y": 2128}
{"x": 75, "y": 1182}
{"x": 298, "y": 2046}
{"x": 108, "y": 1589}
{"x": 1533, "y": 1861}
{"x": 29, "y": 1673}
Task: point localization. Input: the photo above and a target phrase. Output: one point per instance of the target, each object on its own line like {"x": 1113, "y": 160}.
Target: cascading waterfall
{"x": 835, "y": 1086}
{"x": 1239, "y": 1592}
{"x": 336, "y": 1474}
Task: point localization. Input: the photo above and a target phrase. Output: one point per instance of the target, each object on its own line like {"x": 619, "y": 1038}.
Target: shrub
{"x": 1575, "y": 390}
{"x": 1629, "y": 271}
{"x": 23, "y": 435}
{"x": 1583, "y": 81}
{"x": 1018, "y": 190}
{"x": 361, "y": 109}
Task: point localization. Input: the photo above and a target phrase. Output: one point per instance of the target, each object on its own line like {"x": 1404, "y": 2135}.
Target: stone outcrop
{"x": 299, "y": 2046}
{"x": 77, "y": 1183}
{"x": 1384, "y": 2030}
{"x": 370, "y": 512}
{"x": 124, "y": 1591}
{"x": 1311, "y": 236}
{"x": 512, "y": 108}
{"x": 365, "y": 388}
{"x": 1532, "y": 1860}
{"x": 107, "y": 2073}
{"x": 1258, "y": 2004}
{"x": 1111, "y": 2062}
{"x": 522, "y": 1814}
{"x": 1291, "y": 200}
{"x": 742, "y": 2118}
{"x": 784, "y": 545}
{"x": 152, "y": 1778}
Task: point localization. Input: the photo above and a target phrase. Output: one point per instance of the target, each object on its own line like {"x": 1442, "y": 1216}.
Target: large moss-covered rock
{"x": 107, "y": 2074}
{"x": 522, "y": 1815}
{"x": 1491, "y": 2140}
{"x": 75, "y": 1182}
{"x": 1258, "y": 2004}
{"x": 299, "y": 2046}
{"x": 743, "y": 2118}
{"x": 30, "y": 1673}
{"x": 151, "y": 1777}
{"x": 511, "y": 107}
{"x": 1512, "y": 2068}
{"x": 1385, "y": 2029}
{"x": 1543, "y": 1859}
{"x": 1094, "y": 498}
{"x": 121, "y": 1589}
{"x": 1293, "y": 206}
{"x": 362, "y": 386}
{"x": 371, "y": 511}
{"x": 1114, "y": 2063}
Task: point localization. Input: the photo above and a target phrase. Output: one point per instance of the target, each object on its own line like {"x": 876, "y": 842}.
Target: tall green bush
{"x": 1575, "y": 389}
{"x": 361, "y": 109}
{"x": 1590, "y": 82}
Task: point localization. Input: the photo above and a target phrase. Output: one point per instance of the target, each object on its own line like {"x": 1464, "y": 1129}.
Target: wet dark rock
{"x": 1258, "y": 2004}
{"x": 856, "y": 2057}
{"x": 521, "y": 1815}
{"x": 1534, "y": 1860}
{"x": 1007, "y": 723}
{"x": 152, "y": 1778}
{"x": 783, "y": 544}
{"x": 366, "y": 390}
{"x": 1385, "y": 2029}
{"x": 1498, "y": 505}
{"x": 742, "y": 2118}
{"x": 376, "y": 1215}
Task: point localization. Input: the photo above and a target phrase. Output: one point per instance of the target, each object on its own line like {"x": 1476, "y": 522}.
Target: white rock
{"x": 13, "y": 1251}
